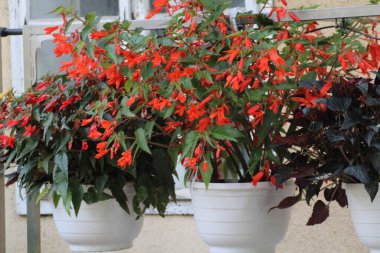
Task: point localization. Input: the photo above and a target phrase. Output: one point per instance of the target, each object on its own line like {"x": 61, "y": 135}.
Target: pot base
{"x": 244, "y": 250}
{"x": 100, "y": 248}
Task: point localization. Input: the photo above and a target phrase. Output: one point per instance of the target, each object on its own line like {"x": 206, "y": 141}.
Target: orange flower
{"x": 98, "y": 35}
{"x": 49, "y": 30}
{"x": 126, "y": 159}
{"x": 94, "y": 133}
{"x": 256, "y": 178}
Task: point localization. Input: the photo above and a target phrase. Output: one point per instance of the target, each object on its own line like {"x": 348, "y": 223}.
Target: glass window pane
{"x": 237, "y": 3}
{"x": 101, "y": 7}
{"x": 234, "y": 3}
{"x": 39, "y": 9}
{"x": 46, "y": 61}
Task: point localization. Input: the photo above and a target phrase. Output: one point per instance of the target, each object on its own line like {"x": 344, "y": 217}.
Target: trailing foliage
{"x": 338, "y": 142}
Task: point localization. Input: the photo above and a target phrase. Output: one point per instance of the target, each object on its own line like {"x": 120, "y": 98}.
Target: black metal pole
{"x": 4, "y": 32}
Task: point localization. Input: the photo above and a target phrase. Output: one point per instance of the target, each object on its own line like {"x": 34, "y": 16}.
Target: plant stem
{"x": 234, "y": 162}
{"x": 241, "y": 158}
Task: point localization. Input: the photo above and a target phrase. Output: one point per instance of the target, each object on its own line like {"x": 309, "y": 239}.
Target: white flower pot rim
{"x": 353, "y": 185}
{"x": 236, "y": 186}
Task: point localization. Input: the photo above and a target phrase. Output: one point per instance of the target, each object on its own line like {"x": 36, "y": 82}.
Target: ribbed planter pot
{"x": 103, "y": 226}
{"x": 365, "y": 215}
{"x": 234, "y": 218}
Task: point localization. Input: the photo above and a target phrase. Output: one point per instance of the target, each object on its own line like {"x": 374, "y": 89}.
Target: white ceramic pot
{"x": 234, "y": 218}
{"x": 103, "y": 226}
{"x": 365, "y": 215}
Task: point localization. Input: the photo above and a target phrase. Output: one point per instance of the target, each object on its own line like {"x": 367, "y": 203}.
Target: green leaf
{"x": 59, "y": 9}
{"x": 111, "y": 52}
{"x": 149, "y": 128}
{"x": 186, "y": 83}
{"x": 90, "y": 17}
{"x": 68, "y": 25}
{"x": 91, "y": 48}
{"x": 43, "y": 163}
{"x": 206, "y": 175}
{"x": 85, "y": 32}
{"x": 191, "y": 140}
{"x": 125, "y": 110}
{"x": 77, "y": 192}
{"x": 146, "y": 71}
{"x": 128, "y": 86}
{"x": 141, "y": 140}
{"x": 61, "y": 160}
{"x": 43, "y": 194}
{"x": 47, "y": 123}
{"x": 226, "y": 132}
{"x": 56, "y": 198}
{"x": 101, "y": 182}
{"x": 254, "y": 160}
{"x": 28, "y": 148}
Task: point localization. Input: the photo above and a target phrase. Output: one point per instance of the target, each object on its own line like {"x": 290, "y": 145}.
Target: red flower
{"x": 98, "y": 35}
{"x": 84, "y": 145}
{"x": 6, "y": 141}
{"x": 220, "y": 117}
{"x": 126, "y": 159}
{"x": 263, "y": 64}
{"x": 158, "y": 5}
{"x": 204, "y": 166}
{"x": 85, "y": 122}
{"x": 171, "y": 126}
{"x": 12, "y": 123}
{"x": 94, "y": 133}
{"x": 195, "y": 112}
{"x": 294, "y": 17}
{"x": 29, "y": 130}
{"x": 203, "y": 124}
{"x": 49, "y": 30}
{"x": 256, "y": 178}
{"x": 274, "y": 57}
{"x": 42, "y": 86}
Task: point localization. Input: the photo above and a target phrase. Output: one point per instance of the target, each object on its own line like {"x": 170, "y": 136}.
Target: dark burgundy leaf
{"x": 330, "y": 194}
{"x": 363, "y": 87}
{"x": 298, "y": 139}
{"x": 287, "y": 202}
{"x": 313, "y": 190}
{"x": 341, "y": 197}
{"x": 339, "y": 104}
{"x": 375, "y": 160}
{"x": 368, "y": 137}
{"x": 303, "y": 183}
{"x": 372, "y": 189}
{"x": 334, "y": 136}
{"x": 320, "y": 213}
{"x": 360, "y": 172}
{"x": 12, "y": 180}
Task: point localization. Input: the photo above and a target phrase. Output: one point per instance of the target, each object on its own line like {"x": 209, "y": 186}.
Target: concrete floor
{"x": 177, "y": 234}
